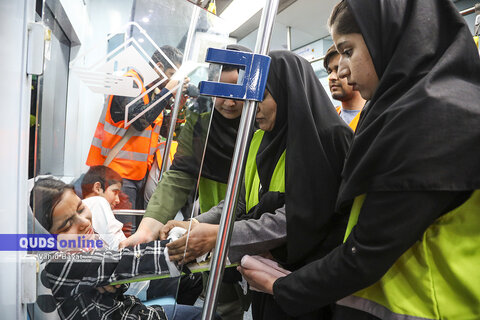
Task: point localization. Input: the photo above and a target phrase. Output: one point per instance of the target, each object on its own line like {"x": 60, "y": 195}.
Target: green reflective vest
{"x": 210, "y": 193}
{"x": 437, "y": 278}
{"x": 252, "y": 180}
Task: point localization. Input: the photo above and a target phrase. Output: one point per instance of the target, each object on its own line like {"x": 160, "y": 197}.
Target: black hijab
{"x": 316, "y": 141}
{"x": 220, "y": 143}
{"x": 421, "y": 129}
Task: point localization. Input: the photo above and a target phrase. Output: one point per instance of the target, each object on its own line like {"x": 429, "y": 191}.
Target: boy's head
{"x": 102, "y": 181}
{"x": 175, "y": 56}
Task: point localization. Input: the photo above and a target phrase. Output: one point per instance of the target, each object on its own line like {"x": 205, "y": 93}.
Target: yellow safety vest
{"x": 437, "y": 278}
{"x": 252, "y": 180}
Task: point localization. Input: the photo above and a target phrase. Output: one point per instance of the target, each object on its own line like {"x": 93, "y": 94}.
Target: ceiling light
{"x": 239, "y": 11}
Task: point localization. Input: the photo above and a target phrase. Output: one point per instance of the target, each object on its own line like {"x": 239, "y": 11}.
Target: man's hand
{"x": 148, "y": 230}
{"x": 173, "y": 83}
{"x": 201, "y": 240}
{"x": 259, "y": 280}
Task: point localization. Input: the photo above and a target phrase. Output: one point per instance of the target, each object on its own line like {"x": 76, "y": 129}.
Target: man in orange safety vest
{"x": 140, "y": 140}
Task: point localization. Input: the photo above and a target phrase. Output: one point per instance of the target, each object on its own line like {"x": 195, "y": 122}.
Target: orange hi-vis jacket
{"x": 353, "y": 124}
{"x": 136, "y": 156}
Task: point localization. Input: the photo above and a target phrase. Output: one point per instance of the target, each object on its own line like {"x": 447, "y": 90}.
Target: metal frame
{"x": 236, "y": 172}
{"x": 128, "y": 212}
{"x": 15, "y": 17}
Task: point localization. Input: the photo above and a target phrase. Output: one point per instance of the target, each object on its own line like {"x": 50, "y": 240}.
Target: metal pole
{"x": 178, "y": 96}
{"x": 289, "y": 38}
{"x": 234, "y": 181}
{"x": 467, "y": 11}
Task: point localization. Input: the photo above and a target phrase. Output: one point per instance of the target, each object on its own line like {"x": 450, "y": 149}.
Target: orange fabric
{"x": 141, "y": 145}
{"x": 353, "y": 124}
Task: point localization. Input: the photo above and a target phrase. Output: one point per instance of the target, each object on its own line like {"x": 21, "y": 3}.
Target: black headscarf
{"x": 316, "y": 142}
{"x": 220, "y": 143}
{"x": 421, "y": 129}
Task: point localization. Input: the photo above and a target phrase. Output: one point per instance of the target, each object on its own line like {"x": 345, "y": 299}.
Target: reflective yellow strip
{"x": 354, "y": 213}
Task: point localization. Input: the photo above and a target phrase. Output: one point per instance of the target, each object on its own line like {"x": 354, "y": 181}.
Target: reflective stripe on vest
{"x": 136, "y": 156}
{"x": 437, "y": 278}
{"x": 252, "y": 180}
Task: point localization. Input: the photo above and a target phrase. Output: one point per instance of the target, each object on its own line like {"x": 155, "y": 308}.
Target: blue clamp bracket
{"x": 254, "y": 81}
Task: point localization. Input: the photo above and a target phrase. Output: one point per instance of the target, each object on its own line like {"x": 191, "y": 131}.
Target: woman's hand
{"x": 259, "y": 280}
{"x": 172, "y": 224}
{"x": 148, "y": 230}
{"x": 201, "y": 240}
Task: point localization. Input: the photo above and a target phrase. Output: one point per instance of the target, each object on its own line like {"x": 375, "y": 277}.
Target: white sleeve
{"x": 104, "y": 222}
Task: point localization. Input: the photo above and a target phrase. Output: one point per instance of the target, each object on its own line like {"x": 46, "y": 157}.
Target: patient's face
{"x": 71, "y": 216}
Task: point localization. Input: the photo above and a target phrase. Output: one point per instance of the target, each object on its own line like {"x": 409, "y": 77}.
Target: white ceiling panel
{"x": 308, "y": 19}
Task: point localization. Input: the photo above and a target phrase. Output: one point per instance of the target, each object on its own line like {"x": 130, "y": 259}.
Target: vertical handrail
{"x": 289, "y": 38}
{"x": 234, "y": 180}
{"x": 178, "y": 96}
{"x": 467, "y": 11}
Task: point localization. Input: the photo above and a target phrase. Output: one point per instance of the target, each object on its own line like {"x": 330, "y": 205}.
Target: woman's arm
{"x": 255, "y": 236}
{"x": 389, "y": 224}
{"x": 213, "y": 215}
{"x": 252, "y": 236}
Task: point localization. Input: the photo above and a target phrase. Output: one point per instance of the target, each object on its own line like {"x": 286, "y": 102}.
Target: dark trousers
{"x": 189, "y": 288}
{"x": 264, "y": 307}
{"x": 134, "y": 190}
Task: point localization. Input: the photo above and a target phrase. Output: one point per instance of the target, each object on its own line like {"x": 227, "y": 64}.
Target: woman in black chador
{"x": 412, "y": 172}
{"x": 292, "y": 174}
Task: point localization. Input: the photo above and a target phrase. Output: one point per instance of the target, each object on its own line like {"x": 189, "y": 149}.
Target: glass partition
{"x": 119, "y": 78}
